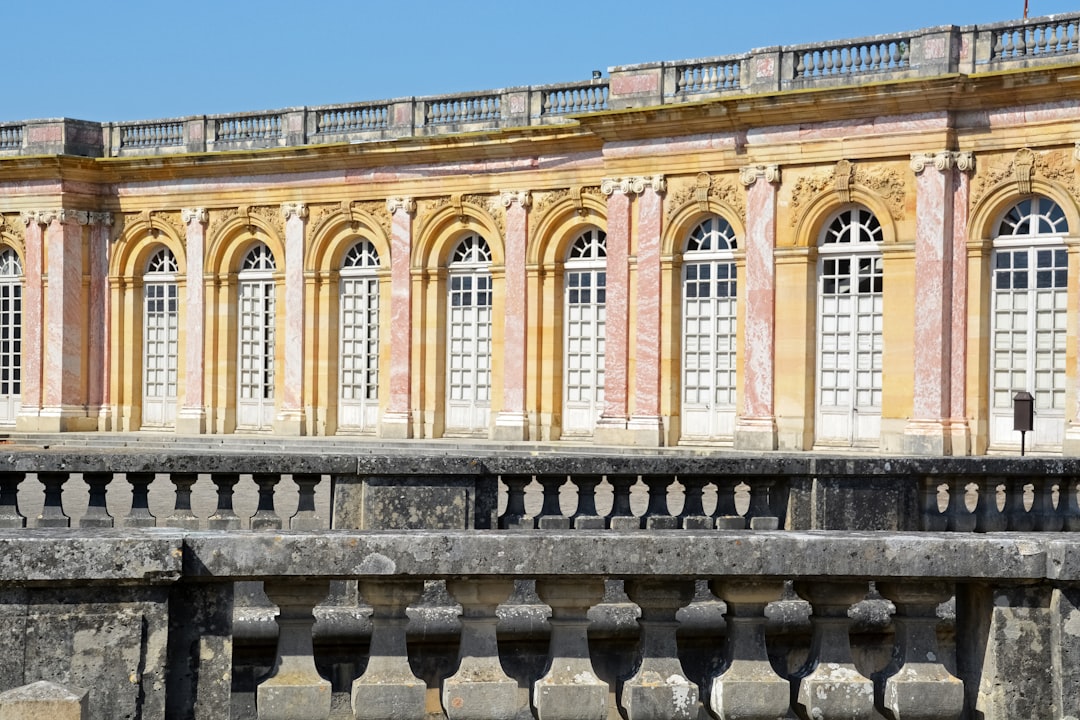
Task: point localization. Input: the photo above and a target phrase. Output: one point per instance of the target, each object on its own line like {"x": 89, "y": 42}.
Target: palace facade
{"x": 867, "y": 243}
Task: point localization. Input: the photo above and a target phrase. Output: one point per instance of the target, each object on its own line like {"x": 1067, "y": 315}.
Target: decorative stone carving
{"x": 842, "y": 178}
{"x": 882, "y": 181}
{"x": 521, "y": 197}
{"x": 707, "y": 188}
{"x": 189, "y": 215}
{"x": 1023, "y": 169}
{"x": 1056, "y": 166}
{"x": 44, "y": 217}
{"x": 271, "y": 216}
{"x": 13, "y": 226}
{"x": 298, "y": 209}
{"x": 887, "y": 184}
{"x": 101, "y": 218}
{"x": 965, "y": 161}
{"x": 406, "y": 204}
{"x": 378, "y": 212}
{"x": 751, "y": 173}
{"x": 633, "y": 185}
{"x": 942, "y": 161}
{"x": 173, "y": 220}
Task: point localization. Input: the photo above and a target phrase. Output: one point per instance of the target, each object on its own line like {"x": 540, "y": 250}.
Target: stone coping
{"x": 161, "y": 556}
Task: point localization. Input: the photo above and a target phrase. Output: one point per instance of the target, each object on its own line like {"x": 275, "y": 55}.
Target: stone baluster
{"x": 515, "y": 517}
{"x": 97, "y": 513}
{"x": 829, "y": 686}
{"x": 10, "y": 517}
{"x": 182, "y": 516}
{"x": 224, "y": 518}
{"x": 52, "y": 513}
{"x": 388, "y": 688}
{"x": 569, "y": 689}
{"x": 916, "y": 683}
{"x": 933, "y": 519}
{"x": 761, "y": 513}
{"x": 659, "y": 689}
{"x": 657, "y": 515}
{"x": 1047, "y": 517}
{"x": 551, "y": 515}
{"x": 726, "y": 516}
{"x": 586, "y": 517}
{"x": 621, "y": 516}
{"x": 479, "y": 689}
{"x": 748, "y": 688}
{"x": 988, "y": 516}
{"x": 140, "y": 506}
{"x": 294, "y": 690}
{"x": 266, "y": 517}
{"x": 1019, "y": 519}
{"x": 693, "y": 515}
{"x": 306, "y": 517}
{"x": 1069, "y": 503}
{"x": 960, "y": 518}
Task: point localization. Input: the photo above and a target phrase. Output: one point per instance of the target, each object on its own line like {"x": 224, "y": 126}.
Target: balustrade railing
{"x": 932, "y": 52}
{"x": 1052, "y": 36}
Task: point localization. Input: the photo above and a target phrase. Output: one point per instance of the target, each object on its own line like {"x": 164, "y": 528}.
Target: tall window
{"x": 11, "y": 284}
{"x": 255, "y": 353}
{"x": 359, "y": 327}
{"x": 160, "y": 340}
{"x": 468, "y": 346}
{"x": 585, "y": 287}
{"x": 850, "y": 281}
{"x": 709, "y": 331}
{"x": 1029, "y": 321}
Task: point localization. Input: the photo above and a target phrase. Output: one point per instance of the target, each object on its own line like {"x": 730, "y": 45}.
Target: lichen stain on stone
{"x": 377, "y": 564}
{"x": 1072, "y": 625}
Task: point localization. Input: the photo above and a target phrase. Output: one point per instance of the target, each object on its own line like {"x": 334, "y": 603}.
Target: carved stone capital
{"x": 63, "y": 216}
{"x": 521, "y": 197}
{"x": 942, "y": 161}
{"x": 404, "y": 204}
{"x": 190, "y": 215}
{"x": 298, "y": 209}
{"x": 101, "y": 218}
{"x": 31, "y": 216}
{"x": 965, "y": 161}
{"x": 633, "y": 185}
{"x": 752, "y": 173}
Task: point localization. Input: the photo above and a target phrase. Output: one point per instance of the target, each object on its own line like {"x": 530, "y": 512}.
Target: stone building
{"x": 866, "y": 243}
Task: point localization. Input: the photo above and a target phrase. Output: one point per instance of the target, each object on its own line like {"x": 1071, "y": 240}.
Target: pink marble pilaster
{"x": 756, "y": 425}
{"x": 927, "y": 433}
{"x": 98, "y": 350}
{"x": 33, "y": 325}
{"x": 290, "y": 419}
{"x": 397, "y": 420}
{"x": 647, "y": 338}
{"x": 65, "y": 315}
{"x": 191, "y": 418}
{"x": 511, "y": 422}
{"x": 617, "y": 306}
{"x": 961, "y": 434}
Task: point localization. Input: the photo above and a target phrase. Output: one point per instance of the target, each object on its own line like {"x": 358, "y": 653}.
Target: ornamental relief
{"x": 13, "y": 226}
{"x": 376, "y": 210}
{"x": 321, "y": 214}
{"x": 884, "y": 182}
{"x": 704, "y": 189}
{"x": 270, "y": 216}
{"x": 488, "y": 205}
{"x": 1056, "y": 166}
{"x": 544, "y": 201}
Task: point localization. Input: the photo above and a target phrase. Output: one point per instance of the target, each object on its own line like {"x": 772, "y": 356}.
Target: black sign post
{"x": 1023, "y": 415}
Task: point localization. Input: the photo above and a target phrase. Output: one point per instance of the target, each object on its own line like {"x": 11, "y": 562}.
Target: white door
{"x": 358, "y": 406}
{"x": 160, "y": 341}
{"x": 1029, "y": 323}
{"x": 468, "y": 342}
{"x": 850, "y": 346}
{"x": 255, "y": 354}
{"x": 709, "y": 332}
{"x": 585, "y": 281}
{"x": 10, "y": 336}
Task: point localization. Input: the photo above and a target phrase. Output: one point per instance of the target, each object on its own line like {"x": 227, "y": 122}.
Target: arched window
{"x": 160, "y": 340}
{"x": 710, "y": 309}
{"x": 850, "y": 283}
{"x": 585, "y": 285}
{"x": 11, "y": 286}
{"x": 256, "y": 341}
{"x": 1029, "y": 300}
{"x": 468, "y": 346}
{"x": 359, "y": 333}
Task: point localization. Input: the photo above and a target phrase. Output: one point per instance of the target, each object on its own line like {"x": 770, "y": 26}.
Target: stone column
{"x": 645, "y": 425}
{"x": 99, "y": 326}
{"x": 291, "y": 418}
{"x": 191, "y": 418}
{"x": 63, "y": 402}
{"x": 959, "y": 430}
{"x": 33, "y": 330}
{"x": 927, "y": 432}
{"x": 397, "y": 418}
{"x": 611, "y": 427}
{"x": 512, "y": 422}
{"x": 755, "y": 428}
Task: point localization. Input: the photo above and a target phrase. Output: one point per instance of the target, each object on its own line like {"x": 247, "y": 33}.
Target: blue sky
{"x": 141, "y": 59}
